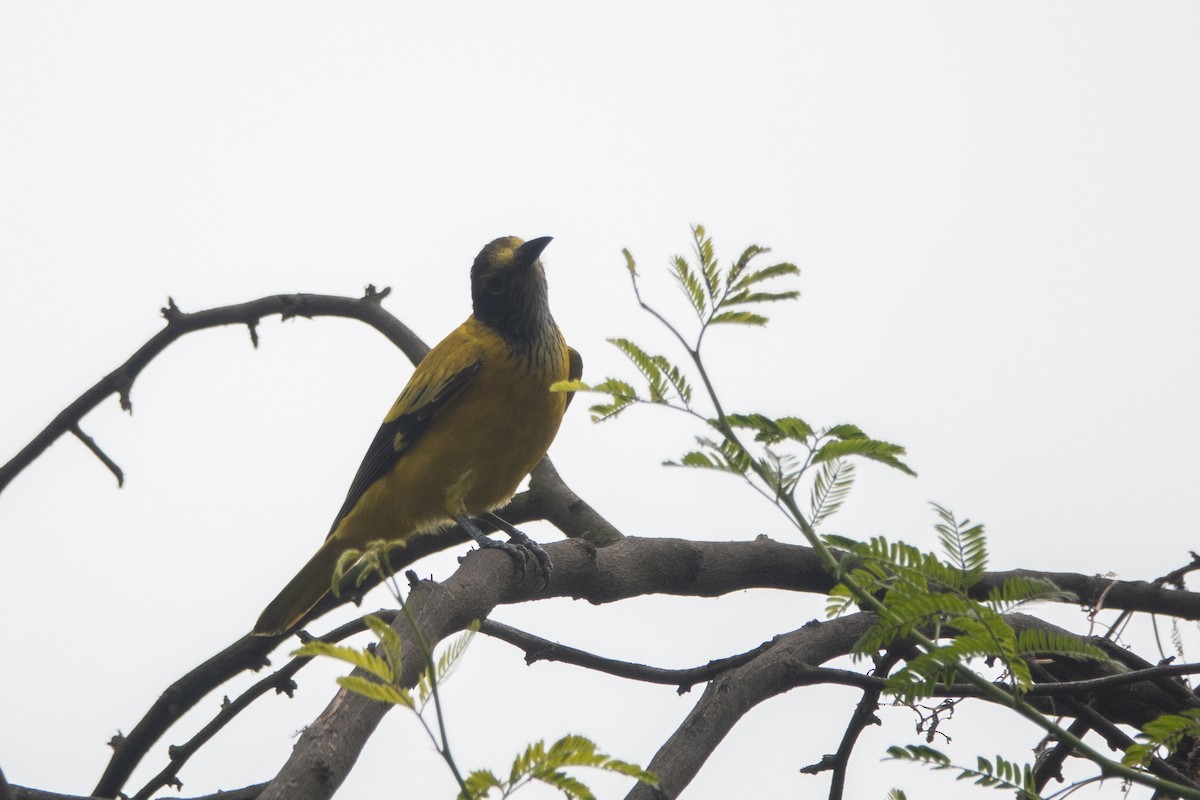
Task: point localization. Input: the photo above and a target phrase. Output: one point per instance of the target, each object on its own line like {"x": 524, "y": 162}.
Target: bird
{"x": 473, "y": 420}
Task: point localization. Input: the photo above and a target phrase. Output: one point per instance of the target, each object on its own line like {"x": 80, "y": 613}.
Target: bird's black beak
{"x": 528, "y": 253}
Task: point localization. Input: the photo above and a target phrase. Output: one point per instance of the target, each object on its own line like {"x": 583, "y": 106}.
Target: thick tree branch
{"x": 246, "y": 793}
{"x": 728, "y": 698}
{"x": 1095, "y": 591}
{"x": 794, "y": 661}
{"x": 1113, "y": 736}
{"x": 120, "y": 381}
{"x": 556, "y": 503}
{"x": 631, "y": 567}
{"x": 328, "y": 748}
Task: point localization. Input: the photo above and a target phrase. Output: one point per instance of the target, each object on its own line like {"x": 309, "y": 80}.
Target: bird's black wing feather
{"x": 396, "y": 436}
{"x": 574, "y": 371}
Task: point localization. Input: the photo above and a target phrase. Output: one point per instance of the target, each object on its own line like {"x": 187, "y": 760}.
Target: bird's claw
{"x": 518, "y": 547}
{"x": 516, "y": 552}
{"x": 522, "y": 539}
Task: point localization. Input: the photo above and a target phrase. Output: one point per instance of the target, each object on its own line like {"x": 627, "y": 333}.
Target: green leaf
{"x": 389, "y": 642}
{"x": 744, "y": 297}
{"x": 795, "y": 429}
{"x": 708, "y": 260}
{"x": 882, "y": 452}
{"x": 570, "y": 386}
{"x": 845, "y": 431}
{"x": 675, "y": 377}
{"x": 738, "y": 318}
{"x": 965, "y": 547}
{"x": 724, "y": 457}
{"x": 383, "y": 692}
{"x": 830, "y": 489}
{"x": 360, "y": 658}
{"x": 1004, "y": 775}
{"x": 479, "y": 784}
{"x": 1037, "y": 642}
{"x": 687, "y": 280}
{"x": 629, "y": 264}
{"x": 623, "y": 395}
{"x": 648, "y": 365}
{"x": 739, "y": 267}
{"x": 921, "y": 754}
{"x": 1019, "y": 590}
{"x": 766, "y": 273}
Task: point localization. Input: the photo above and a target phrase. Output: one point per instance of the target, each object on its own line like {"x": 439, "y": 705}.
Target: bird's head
{"x": 508, "y": 288}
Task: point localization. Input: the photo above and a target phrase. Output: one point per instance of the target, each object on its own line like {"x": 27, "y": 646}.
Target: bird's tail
{"x": 302, "y": 592}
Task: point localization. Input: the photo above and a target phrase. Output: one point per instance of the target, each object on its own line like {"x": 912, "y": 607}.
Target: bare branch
{"x": 120, "y": 381}
{"x": 100, "y": 454}
{"x": 1116, "y": 738}
{"x": 565, "y": 509}
{"x": 864, "y": 715}
{"x": 728, "y": 698}
{"x": 281, "y": 681}
{"x": 538, "y": 649}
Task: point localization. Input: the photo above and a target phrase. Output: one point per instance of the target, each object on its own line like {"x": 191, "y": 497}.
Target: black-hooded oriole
{"x": 474, "y": 419}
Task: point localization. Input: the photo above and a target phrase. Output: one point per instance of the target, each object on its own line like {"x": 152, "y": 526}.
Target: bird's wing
{"x": 574, "y": 371}
{"x": 438, "y": 379}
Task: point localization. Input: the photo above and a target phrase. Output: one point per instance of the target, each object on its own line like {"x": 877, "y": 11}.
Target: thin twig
{"x": 538, "y": 649}
{"x": 100, "y": 454}
{"x": 281, "y": 681}
{"x": 864, "y": 715}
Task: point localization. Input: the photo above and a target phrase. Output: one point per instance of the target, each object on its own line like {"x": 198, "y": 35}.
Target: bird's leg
{"x": 519, "y": 554}
{"x": 521, "y": 538}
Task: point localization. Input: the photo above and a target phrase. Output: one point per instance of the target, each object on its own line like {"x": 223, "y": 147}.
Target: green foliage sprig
{"x": 923, "y": 592}
{"x": 545, "y": 765}
{"x": 1166, "y": 732}
{"x": 382, "y": 663}
{"x": 785, "y": 449}
{"x": 1003, "y": 774}
{"x": 916, "y": 596}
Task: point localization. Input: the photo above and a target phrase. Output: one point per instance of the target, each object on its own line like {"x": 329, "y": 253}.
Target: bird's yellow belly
{"x": 485, "y": 443}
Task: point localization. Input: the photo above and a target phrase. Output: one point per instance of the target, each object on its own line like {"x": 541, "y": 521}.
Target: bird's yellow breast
{"x": 479, "y": 447}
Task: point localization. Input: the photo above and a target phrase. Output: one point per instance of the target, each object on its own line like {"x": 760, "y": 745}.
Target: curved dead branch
{"x": 119, "y": 382}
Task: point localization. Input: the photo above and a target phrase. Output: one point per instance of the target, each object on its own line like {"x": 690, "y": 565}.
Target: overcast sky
{"x": 994, "y": 206}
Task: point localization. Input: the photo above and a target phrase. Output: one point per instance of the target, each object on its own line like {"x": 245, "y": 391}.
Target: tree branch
{"x": 864, "y": 715}
{"x": 728, "y": 698}
{"x": 538, "y": 649}
{"x": 329, "y": 747}
{"x": 250, "y": 652}
{"x": 281, "y": 681}
{"x": 120, "y": 381}
{"x": 632, "y": 567}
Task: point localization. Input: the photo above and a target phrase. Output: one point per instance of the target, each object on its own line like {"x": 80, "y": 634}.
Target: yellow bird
{"x": 474, "y": 419}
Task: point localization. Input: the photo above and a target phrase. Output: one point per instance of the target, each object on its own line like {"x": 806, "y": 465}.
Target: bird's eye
{"x": 497, "y": 288}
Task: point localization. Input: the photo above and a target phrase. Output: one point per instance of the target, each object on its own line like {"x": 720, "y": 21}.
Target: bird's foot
{"x": 518, "y": 547}
{"x": 522, "y": 539}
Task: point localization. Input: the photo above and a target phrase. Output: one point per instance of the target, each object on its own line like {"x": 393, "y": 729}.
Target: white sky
{"x": 994, "y": 206}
